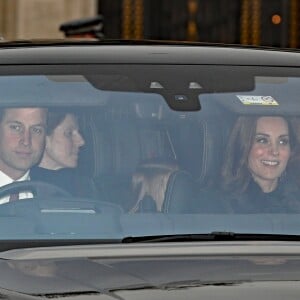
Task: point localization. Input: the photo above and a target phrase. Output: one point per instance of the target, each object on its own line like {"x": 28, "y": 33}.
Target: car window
{"x": 148, "y": 150}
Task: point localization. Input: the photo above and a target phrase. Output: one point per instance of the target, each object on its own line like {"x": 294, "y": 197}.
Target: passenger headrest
{"x": 111, "y": 147}
{"x": 180, "y": 190}
{"x": 117, "y": 146}
{"x": 202, "y": 153}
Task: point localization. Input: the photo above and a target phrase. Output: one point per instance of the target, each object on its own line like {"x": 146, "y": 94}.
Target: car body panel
{"x": 144, "y": 54}
{"x": 170, "y": 270}
{"x": 114, "y": 268}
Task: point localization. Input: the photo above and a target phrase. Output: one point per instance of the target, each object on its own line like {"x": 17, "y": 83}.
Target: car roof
{"x": 142, "y": 52}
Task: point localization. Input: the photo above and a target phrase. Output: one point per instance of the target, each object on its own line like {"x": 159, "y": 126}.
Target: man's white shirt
{"x": 4, "y": 180}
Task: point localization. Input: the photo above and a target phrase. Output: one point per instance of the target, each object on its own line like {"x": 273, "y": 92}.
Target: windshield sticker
{"x": 257, "y": 100}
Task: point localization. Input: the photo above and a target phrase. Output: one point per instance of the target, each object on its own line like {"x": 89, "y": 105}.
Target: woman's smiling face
{"x": 270, "y": 152}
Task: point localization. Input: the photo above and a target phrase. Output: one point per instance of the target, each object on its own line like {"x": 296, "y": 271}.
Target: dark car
{"x": 184, "y": 182}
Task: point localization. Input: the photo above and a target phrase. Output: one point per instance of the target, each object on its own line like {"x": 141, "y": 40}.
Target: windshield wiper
{"x": 6, "y": 245}
{"x": 213, "y": 236}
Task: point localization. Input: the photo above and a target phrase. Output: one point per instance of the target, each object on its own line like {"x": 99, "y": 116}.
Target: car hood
{"x": 123, "y": 272}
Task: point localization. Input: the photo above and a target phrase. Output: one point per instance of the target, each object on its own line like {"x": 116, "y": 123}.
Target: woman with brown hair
{"x": 254, "y": 174}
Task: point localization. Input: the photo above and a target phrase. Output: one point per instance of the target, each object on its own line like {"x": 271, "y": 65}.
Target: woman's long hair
{"x": 235, "y": 172}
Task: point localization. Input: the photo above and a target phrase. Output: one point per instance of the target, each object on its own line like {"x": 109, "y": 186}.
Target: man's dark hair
{"x": 56, "y": 116}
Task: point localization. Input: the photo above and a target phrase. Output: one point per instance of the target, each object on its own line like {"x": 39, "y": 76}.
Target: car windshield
{"x": 149, "y": 150}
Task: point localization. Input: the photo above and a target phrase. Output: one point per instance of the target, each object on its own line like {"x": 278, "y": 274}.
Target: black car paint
{"x": 227, "y": 270}
{"x": 124, "y": 271}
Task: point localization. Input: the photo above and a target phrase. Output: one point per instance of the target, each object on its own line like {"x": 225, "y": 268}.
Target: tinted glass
{"x": 135, "y": 150}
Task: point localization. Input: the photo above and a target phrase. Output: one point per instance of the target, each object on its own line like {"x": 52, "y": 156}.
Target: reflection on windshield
{"x": 78, "y": 162}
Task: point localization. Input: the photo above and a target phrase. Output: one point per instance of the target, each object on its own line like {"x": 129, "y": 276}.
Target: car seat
{"x": 117, "y": 140}
{"x": 179, "y": 193}
{"x": 204, "y": 141}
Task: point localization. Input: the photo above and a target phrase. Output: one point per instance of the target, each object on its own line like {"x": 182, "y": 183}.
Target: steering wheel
{"x": 37, "y": 188}
{"x": 54, "y": 211}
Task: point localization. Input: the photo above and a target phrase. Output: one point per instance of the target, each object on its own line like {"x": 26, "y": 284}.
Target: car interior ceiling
{"x": 120, "y": 136}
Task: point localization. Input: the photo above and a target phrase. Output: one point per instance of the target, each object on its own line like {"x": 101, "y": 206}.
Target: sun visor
{"x": 271, "y": 95}
{"x": 48, "y": 91}
{"x": 180, "y": 85}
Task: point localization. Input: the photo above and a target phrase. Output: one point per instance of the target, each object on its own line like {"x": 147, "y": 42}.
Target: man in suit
{"x": 22, "y": 141}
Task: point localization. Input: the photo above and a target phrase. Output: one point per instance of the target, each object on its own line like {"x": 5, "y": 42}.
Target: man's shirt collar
{"x": 5, "y": 179}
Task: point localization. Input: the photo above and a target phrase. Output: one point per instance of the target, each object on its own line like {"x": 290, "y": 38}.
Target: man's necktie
{"x": 13, "y": 197}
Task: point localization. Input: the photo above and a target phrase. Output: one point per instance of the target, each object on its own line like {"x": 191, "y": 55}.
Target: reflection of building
{"x": 23, "y": 19}
{"x": 255, "y": 22}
